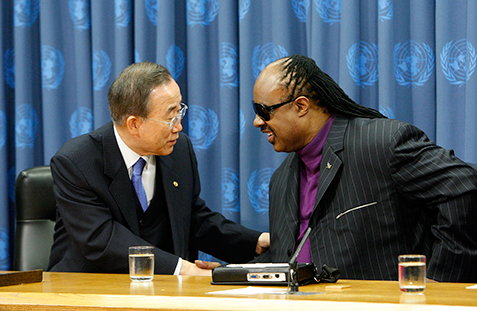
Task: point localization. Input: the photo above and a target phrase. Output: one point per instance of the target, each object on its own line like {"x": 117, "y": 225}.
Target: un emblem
{"x": 9, "y": 67}
{"x": 385, "y": 9}
{"x": 175, "y": 61}
{"x": 204, "y": 126}
{"x": 258, "y": 185}
{"x": 81, "y": 121}
{"x": 101, "y": 69}
{"x": 3, "y": 129}
{"x": 122, "y": 13}
{"x": 201, "y": 12}
{"x": 264, "y": 55}
{"x": 362, "y": 61}
{"x": 458, "y": 61}
{"x": 25, "y": 12}
{"x": 244, "y": 6}
{"x": 413, "y": 63}
{"x": 152, "y": 7}
{"x": 79, "y": 13}
{"x": 329, "y": 10}
{"x": 4, "y": 250}
{"x": 26, "y": 126}
{"x": 228, "y": 59}
{"x": 300, "y": 7}
{"x": 52, "y": 67}
{"x": 230, "y": 190}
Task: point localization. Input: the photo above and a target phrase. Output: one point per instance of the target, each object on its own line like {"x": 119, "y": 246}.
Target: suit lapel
{"x": 293, "y": 194}
{"x": 172, "y": 194}
{"x": 121, "y": 188}
{"x": 330, "y": 162}
{"x": 286, "y": 209}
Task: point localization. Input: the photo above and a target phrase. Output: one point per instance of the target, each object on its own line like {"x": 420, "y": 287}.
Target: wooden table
{"x": 83, "y": 291}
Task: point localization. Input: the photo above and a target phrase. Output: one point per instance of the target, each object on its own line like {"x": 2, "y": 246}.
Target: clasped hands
{"x": 204, "y": 268}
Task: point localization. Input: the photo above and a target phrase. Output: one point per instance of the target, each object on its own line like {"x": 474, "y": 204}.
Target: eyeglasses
{"x": 180, "y": 115}
{"x": 264, "y": 111}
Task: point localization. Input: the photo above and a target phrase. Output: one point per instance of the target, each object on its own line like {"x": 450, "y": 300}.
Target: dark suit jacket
{"x": 97, "y": 220}
{"x": 426, "y": 203}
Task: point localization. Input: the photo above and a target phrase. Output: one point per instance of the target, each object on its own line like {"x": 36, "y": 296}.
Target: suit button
{"x": 140, "y": 222}
{"x": 289, "y": 252}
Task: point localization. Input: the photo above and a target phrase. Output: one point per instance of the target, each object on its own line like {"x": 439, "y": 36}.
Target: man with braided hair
{"x": 371, "y": 188}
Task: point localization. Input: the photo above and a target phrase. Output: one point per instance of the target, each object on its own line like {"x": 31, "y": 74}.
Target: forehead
{"x": 268, "y": 86}
{"x": 165, "y": 97}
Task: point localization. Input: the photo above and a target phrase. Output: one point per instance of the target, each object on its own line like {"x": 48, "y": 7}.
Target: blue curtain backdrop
{"x": 414, "y": 60}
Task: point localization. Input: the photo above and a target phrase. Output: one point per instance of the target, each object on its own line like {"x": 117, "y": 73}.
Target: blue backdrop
{"x": 414, "y": 60}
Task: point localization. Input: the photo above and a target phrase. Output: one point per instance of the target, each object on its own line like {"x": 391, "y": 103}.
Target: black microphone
{"x": 293, "y": 263}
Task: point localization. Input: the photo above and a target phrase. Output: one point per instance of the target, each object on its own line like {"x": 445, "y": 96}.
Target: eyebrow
{"x": 173, "y": 107}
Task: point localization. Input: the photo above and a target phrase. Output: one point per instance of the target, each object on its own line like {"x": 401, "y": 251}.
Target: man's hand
{"x": 207, "y": 264}
{"x": 202, "y": 268}
{"x": 263, "y": 243}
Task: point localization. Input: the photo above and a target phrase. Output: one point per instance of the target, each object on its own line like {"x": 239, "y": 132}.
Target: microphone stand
{"x": 293, "y": 265}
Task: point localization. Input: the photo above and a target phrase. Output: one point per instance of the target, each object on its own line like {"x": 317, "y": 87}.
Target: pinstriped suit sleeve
{"x": 445, "y": 187}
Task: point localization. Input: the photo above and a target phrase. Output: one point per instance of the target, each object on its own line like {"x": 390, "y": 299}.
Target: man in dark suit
{"x": 100, "y": 212}
{"x": 370, "y": 188}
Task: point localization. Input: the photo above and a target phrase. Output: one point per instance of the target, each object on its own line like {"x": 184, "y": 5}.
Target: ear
{"x": 302, "y": 105}
{"x": 132, "y": 124}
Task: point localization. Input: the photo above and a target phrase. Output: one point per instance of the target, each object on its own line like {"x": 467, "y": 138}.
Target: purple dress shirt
{"x": 310, "y": 156}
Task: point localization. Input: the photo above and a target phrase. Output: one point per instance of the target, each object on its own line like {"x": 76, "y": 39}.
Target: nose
{"x": 258, "y": 122}
{"x": 178, "y": 126}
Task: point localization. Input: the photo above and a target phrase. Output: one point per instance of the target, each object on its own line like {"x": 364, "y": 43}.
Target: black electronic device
{"x": 262, "y": 274}
{"x": 291, "y": 274}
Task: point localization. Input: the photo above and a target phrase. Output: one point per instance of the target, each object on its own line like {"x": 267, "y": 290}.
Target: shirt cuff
{"x": 178, "y": 267}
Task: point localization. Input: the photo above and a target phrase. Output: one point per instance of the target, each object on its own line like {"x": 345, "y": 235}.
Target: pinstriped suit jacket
{"x": 425, "y": 203}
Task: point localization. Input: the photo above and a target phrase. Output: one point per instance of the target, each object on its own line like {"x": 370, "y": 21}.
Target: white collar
{"x": 129, "y": 156}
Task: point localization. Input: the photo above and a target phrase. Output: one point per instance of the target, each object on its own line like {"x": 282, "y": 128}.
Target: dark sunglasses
{"x": 264, "y": 111}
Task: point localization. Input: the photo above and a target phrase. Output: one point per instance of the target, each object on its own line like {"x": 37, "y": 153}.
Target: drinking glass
{"x": 141, "y": 263}
{"x": 412, "y": 273}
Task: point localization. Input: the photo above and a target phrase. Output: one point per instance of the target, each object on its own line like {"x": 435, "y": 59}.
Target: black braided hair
{"x": 306, "y": 78}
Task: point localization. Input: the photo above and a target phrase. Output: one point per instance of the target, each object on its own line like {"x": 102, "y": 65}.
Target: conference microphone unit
{"x": 267, "y": 273}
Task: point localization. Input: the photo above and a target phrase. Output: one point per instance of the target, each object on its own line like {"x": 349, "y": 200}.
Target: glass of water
{"x": 412, "y": 273}
{"x": 141, "y": 263}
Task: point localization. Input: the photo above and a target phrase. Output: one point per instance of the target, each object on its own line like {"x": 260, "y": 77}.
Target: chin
{"x": 279, "y": 148}
{"x": 165, "y": 151}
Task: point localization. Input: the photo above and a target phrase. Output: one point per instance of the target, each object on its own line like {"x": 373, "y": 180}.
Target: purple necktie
{"x": 137, "y": 182}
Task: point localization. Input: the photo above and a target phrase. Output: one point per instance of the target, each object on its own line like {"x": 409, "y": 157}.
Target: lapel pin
{"x": 175, "y": 183}
{"x": 328, "y": 165}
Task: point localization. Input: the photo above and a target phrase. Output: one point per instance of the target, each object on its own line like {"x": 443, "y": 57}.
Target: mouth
{"x": 270, "y": 135}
